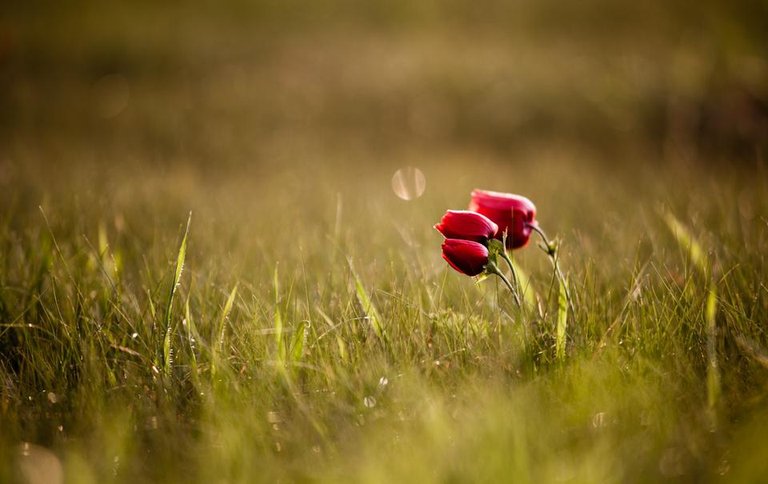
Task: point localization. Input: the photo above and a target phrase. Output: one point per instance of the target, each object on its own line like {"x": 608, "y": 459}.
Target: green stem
{"x": 512, "y": 270}
{"x": 495, "y": 270}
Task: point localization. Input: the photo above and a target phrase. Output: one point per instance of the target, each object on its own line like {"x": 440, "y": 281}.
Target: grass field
{"x": 205, "y": 275}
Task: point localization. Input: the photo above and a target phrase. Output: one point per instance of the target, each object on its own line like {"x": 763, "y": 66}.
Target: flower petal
{"x": 465, "y": 256}
{"x": 467, "y": 225}
{"x": 513, "y": 214}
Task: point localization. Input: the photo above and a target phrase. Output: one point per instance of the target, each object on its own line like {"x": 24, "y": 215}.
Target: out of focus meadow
{"x": 639, "y": 129}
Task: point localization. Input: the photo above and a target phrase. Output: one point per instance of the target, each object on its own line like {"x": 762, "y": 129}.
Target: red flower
{"x": 466, "y": 256}
{"x": 466, "y": 225}
{"x": 513, "y": 213}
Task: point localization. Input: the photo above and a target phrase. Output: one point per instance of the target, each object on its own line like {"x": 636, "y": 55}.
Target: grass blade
{"x": 192, "y": 339}
{"x": 225, "y": 315}
{"x": 713, "y": 370}
{"x": 299, "y": 341}
{"x": 688, "y": 242}
{"x": 278, "y": 324}
{"x": 367, "y": 304}
{"x": 526, "y": 289}
{"x": 562, "y": 320}
{"x": 218, "y": 343}
{"x": 180, "y": 259}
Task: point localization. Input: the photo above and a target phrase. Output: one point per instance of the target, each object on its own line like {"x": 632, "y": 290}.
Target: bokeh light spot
{"x": 38, "y": 465}
{"x": 111, "y": 94}
{"x": 409, "y": 183}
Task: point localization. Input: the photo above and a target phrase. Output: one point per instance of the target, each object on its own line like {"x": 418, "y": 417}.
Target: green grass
{"x": 205, "y": 275}
{"x": 274, "y": 359}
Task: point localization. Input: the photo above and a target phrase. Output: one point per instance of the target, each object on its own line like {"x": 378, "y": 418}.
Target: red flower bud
{"x": 466, "y": 225}
{"x": 513, "y": 213}
{"x": 466, "y": 256}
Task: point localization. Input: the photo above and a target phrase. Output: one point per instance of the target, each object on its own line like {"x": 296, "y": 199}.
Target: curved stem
{"x": 550, "y": 248}
{"x": 515, "y": 279}
{"x": 495, "y": 270}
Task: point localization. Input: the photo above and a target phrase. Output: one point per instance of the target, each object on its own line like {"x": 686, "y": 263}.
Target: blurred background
{"x": 250, "y": 108}
{"x": 260, "y": 83}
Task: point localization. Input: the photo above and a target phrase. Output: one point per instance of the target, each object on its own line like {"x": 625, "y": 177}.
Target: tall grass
{"x": 302, "y": 325}
{"x": 127, "y": 367}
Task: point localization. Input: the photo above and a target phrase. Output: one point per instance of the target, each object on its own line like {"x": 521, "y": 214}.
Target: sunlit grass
{"x": 273, "y": 341}
{"x": 217, "y": 260}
